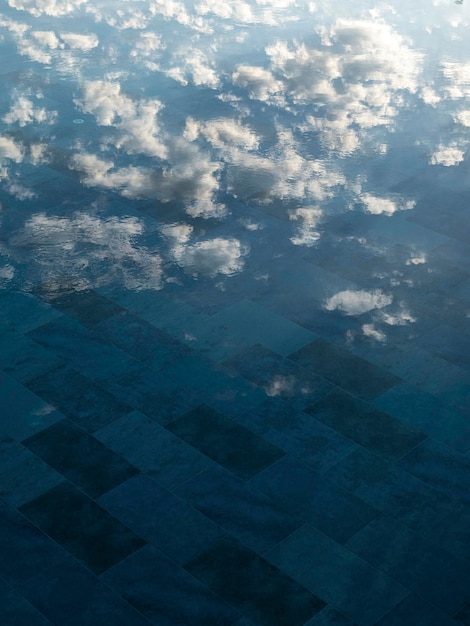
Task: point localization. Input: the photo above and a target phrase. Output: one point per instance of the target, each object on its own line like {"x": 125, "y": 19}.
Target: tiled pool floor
{"x": 149, "y": 480}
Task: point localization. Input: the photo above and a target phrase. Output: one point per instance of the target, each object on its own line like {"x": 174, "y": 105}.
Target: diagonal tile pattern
{"x": 245, "y": 516}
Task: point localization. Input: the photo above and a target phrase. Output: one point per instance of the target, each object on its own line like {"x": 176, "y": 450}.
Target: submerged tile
{"x": 78, "y": 398}
{"x": 141, "y": 340}
{"x": 167, "y": 594}
{"x": 79, "y": 457}
{"x": 25, "y": 549}
{"x": 23, "y": 476}
{"x": 84, "y": 305}
{"x": 331, "y": 509}
{"x": 392, "y": 490}
{"x": 278, "y": 376}
{"x": 252, "y": 585}
{"x": 23, "y": 413}
{"x": 153, "y": 449}
{"x": 85, "y": 529}
{"x": 161, "y": 518}
{"x": 366, "y": 425}
{"x": 223, "y": 440}
{"x": 414, "y": 610}
{"x": 403, "y": 554}
{"x": 344, "y": 369}
{"x": 16, "y": 610}
{"x": 243, "y": 511}
{"x": 297, "y": 433}
{"x": 348, "y": 583}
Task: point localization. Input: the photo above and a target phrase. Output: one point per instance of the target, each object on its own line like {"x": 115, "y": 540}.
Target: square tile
{"x": 297, "y": 433}
{"x": 23, "y": 476}
{"x": 22, "y": 358}
{"x": 244, "y": 512}
{"x": 366, "y": 425}
{"x": 25, "y": 549}
{"x": 161, "y": 518}
{"x": 219, "y": 437}
{"x": 277, "y": 376}
{"x": 141, "y": 340}
{"x": 85, "y": 529}
{"x": 69, "y": 594}
{"x": 154, "y": 450}
{"x": 23, "y": 413}
{"x": 215, "y": 385}
{"x": 331, "y": 509}
{"x": 84, "y": 305}
{"x": 16, "y": 610}
{"x": 252, "y": 585}
{"x": 348, "y": 583}
{"x": 80, "y": 457}
{"x": 392, "y": 490}
{"x": 345, "y": 369}
{"x": 165, "y": 593}
{"x": 403, "y": 554}
{"x": 418, "y": 612}
{"x": 428, "y": 414}
{"x": 78, "y": 398}
{"x": 441, "y": 467}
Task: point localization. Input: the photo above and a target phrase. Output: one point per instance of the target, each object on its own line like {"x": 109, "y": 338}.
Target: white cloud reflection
{"x": 358, "y": 302}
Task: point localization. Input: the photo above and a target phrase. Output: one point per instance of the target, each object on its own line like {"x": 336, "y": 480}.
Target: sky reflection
{"x": 219, "y": 137}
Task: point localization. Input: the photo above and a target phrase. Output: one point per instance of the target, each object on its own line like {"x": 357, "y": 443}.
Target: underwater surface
{"x": 234, "y": 313}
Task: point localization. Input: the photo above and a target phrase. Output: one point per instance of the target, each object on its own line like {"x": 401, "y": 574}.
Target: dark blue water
{"x": 234, "y": 313}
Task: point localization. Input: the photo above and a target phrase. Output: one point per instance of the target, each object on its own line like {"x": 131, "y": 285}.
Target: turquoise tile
{"x": 348, "y": 583}
{"x": 154, "y": 450}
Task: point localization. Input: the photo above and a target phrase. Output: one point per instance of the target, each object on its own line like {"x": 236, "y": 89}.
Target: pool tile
{"x": 414, "y": 610}
{"x": 161, "y": 518}
{"x": 141, "y": 340}
{"x": 84, "y": 305}
{"x": 246, "y": 513}
{"x": 442, "y": 468}
{"x": 297, "y": 433}
{"x": 22, "y": 358}
{"x": 23, "y": 476}
{"x": 25, "y": 549}
{"x": 165, "y": 593}
{"x": 69, "y": 340}
{"x": 448, "y": 343}
{"x": 85, "y": 529}
{"x": 463, "y": 615}
{"x": 427, "y": 413}
{"x": 252, "y": 585}
{"x": 428, "y": 571}
{"x": 23, "y": 413}
{"x": 247, "y": 323}
{"x": 153, "y": 449}
{"x": 331, "y": 509}
{"x": 329, "y": 617}
{"x": 278, "y": 376}
{"x": 366, "y": 425}
{"x": 79, "y": 398}
{"x": 21, "y": 311}
{"x": 226, "y": 442}
{"x": 60, "y": 591}
{"x": 348, "y": 583}
{"x": 79, "y": 457}
{"x": 150, "y": 392}
{"x": 393, "y": 490}
{"x": 215, "y": 385}
{"x": 344, "y": 369}
{"x": 16, "y": 610}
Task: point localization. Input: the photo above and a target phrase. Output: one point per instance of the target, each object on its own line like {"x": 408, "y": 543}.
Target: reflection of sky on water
{"x": 245, "y": 147}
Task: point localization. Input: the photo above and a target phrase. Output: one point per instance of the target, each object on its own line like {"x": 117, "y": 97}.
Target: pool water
{"x": 234, "y": 313}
